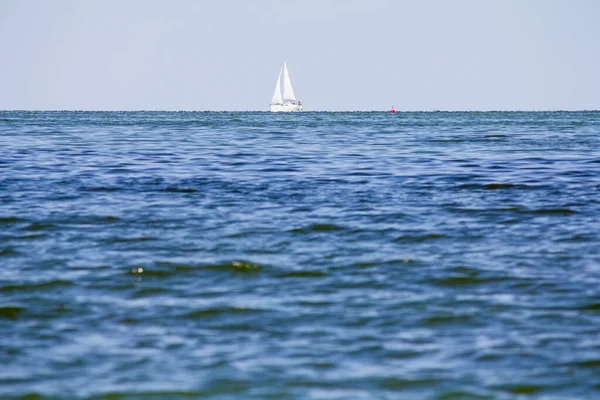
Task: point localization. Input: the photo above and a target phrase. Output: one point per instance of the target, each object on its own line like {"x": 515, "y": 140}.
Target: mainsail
{"x": 288, "y": 91}
{"x": 277, "y": 99}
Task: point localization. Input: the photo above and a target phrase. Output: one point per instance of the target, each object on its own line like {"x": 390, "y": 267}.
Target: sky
{"x": 342, "y": 55}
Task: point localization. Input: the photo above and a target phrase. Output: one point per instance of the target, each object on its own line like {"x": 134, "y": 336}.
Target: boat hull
{"x": 288, "y": 107}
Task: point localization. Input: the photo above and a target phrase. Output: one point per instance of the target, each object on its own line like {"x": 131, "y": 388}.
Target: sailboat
{"x": 284, "y": 100}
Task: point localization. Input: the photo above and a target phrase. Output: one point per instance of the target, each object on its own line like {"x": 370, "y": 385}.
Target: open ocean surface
{"x": 167, "y": 255}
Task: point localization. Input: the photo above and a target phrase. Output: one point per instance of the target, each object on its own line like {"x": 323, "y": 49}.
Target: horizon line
{"x": 304, "y": 111}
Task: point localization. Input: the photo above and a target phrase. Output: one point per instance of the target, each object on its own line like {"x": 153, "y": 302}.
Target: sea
{"x": 318, "y": 255}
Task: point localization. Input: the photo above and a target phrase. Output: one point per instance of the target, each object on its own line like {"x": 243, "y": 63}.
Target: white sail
{"x": 288, "y": 92}
{"x": 284, "y": 101}
{"x": 277, "y": 99}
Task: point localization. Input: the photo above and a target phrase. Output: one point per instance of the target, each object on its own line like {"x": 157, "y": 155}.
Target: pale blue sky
{"x": 342, "y": 54}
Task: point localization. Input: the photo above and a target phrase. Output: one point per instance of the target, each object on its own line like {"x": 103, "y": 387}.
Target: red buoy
{"x": 392, "y": 110}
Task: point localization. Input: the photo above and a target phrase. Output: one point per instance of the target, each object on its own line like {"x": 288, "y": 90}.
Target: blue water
{"x": 304, "y": 256}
